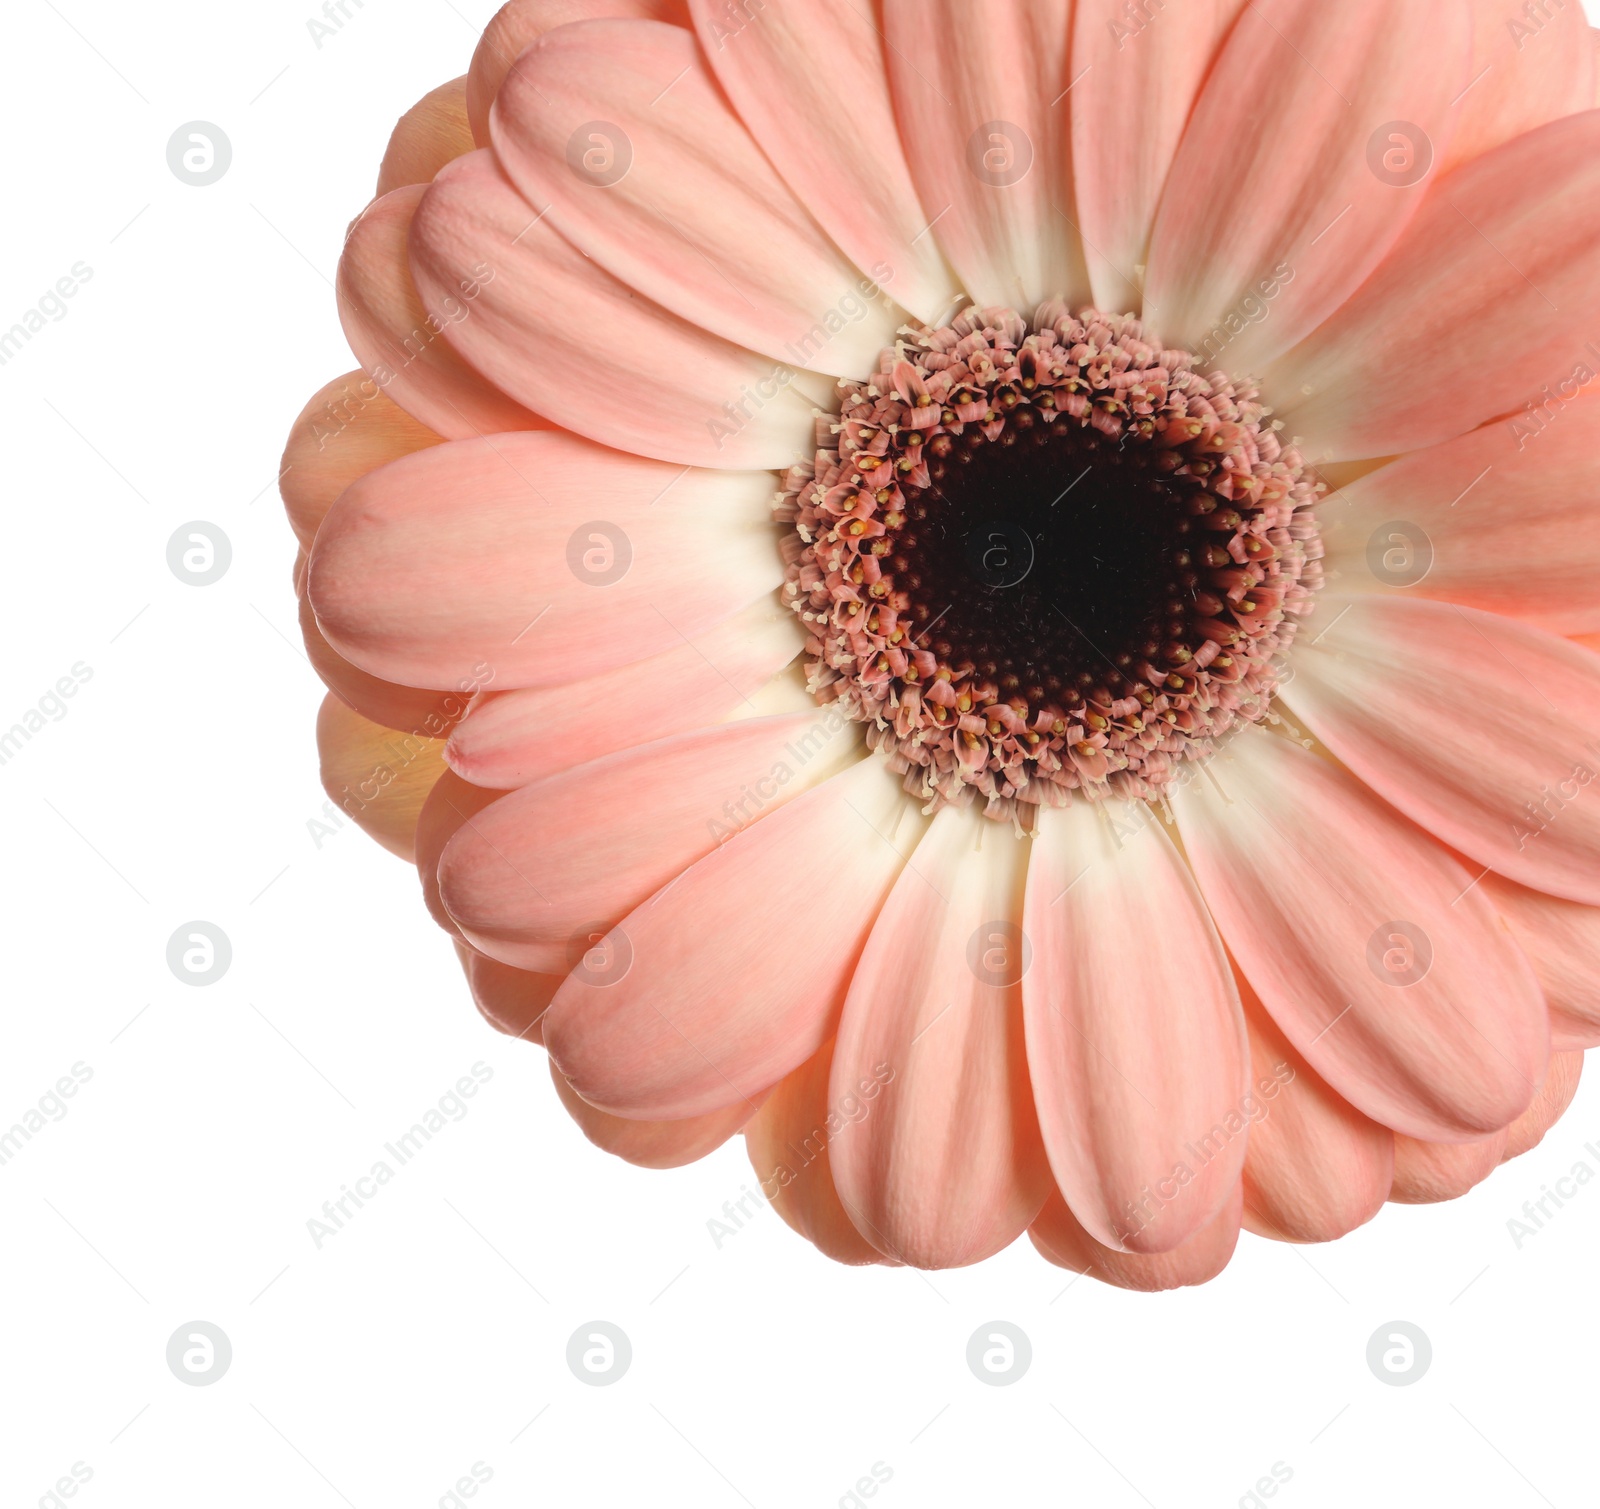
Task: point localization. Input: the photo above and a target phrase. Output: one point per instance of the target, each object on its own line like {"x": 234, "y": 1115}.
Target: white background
{"x": 430, "y": 1334}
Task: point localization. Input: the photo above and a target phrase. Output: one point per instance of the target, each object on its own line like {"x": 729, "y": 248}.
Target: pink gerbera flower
{"x": 993, "y": 595}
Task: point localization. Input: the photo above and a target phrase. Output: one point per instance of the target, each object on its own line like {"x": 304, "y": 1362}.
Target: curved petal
{"x": 539, "y": 881}
{"x": 1562, "y": 939}
{"x": 651, "y": 1144}
{"x": 789, "y": 1140}
{"x": 511, "y": 1001}
{"x": 1061, "y": 1240}
{"x": 1506, "y": 516}
{"x": 1366, "y": 942}
{"x": 617, "y": 129}
{"x": 410, "y": 709}
{"x": 535, "y": 560}
{"x": 1528, "y": 67}
{"x": 1484, "y": 731}
{"x": 980, "y": 92}
{"x": 688, "y": 1029}
{"x": 430, "y": 134}
{"x": 451, "y": 805}
{"x": 514, "y": 738}
{"x": 518, "y": 24}
{"x": 1136, "y": 1044}
{"x": 1136, "y": 86}
{"x": 553, "y": 329}
{"x": 1549, "y": 1105}
{"x": 1503, "y": 250}
{"x": 1426, "y": 1173}
{"x": 396, "y": 340}
{"x": 1279, "y": 203}
{"x": 348, "y": 428}
{"x": 948, "y": 1168}
{"x": 809, "y": 80}
{"x": 1315, "y": 1168}
{"x": 378, "y": 776}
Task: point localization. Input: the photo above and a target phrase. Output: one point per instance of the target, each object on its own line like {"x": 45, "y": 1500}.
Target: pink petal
{"x": 537, "y": 881}
{"x": 1549, "y": 1105}
{"x": 1482, "y": 730}
{"x": 561, "y": 335}
{"x": 698, "y": 220}
{"x": 535, "y": 560}
{"x": 412, "y": 709}
{"x": 516, "y": 25}
{"x": 947, "y": 1169}
{"x": 1276, "y": 214}
{"x": 512, "y": 1001}
{"x": 1311, "y": 880}
{"x": 1136, "y": 1044}
{"x": 1136, "y": 86}
{"x": 1499, "y": 261}
{"x": 808, "y": 79}
{"x": 451, "y": 805}
{"x": 651, "y": 1144}
{"x": 980, "y": 92}
{"x": 788, "y": 1141}
{"x": 1527, "y": 68}
{"x": 1062, "y": 1241}
{"x": 738, "y": 968}
{"x": 1562, "y": 939}
{"x": 431, "y": 133}
{"x": 1426, "y": 1173}
{"x": 1316, "y": 1168}
{"x": 515, "y": 738}
{"x": 399, "y": 343}
{"x": 1505, "y": 514}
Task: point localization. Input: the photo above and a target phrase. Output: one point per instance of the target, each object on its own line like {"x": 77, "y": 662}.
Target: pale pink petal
{"x": 1501, "y": 519}
{"x": 1426, "y": 1173}
{"x": 412, "y": 709}
{"x": 451, "y": 805}
{"x": 535, "y": 560}
{"x": 542, "y": 877}
{"x": 1549, "y": 1105}
{"x": 1483, "y": 730}
{"x": 1060, "y": 1239}
{"x": 431, "y": 133}
{"x": 399, "y": 344}
{"x": 1136, "y": 1043}
{"x": 512, "y": 1001}
{"x": 980, "y": 92}
{"x": 1365, "y": 940}
{"x": 618, "y": 130}
{"x": 1280, "y": 202}
{"x": 1316, "y": 1168}
{"x": 786, "y": 905}
{"x": 948, "y": 1168}
{"x": 518, "y": 24}
{"x": 558, "y": 333}
{"x": 652, "y": 1144}
{"x": 1137, "y": 75}
{"x": 808, "y": 78}
{"x": 518, "y": 737}
{"x": 376, "y": 775}
{"x": 1528, "y": 67}
{"x": 789, "y": 1142}
{"x": 1562, "y": 939}
{"x": 1490, "y": 295}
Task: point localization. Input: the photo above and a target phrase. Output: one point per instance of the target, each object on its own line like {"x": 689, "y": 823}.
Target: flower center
{"x": 1050, "y": 559}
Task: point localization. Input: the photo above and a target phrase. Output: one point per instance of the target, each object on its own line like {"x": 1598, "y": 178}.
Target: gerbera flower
{"x": 992, "y": 595}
